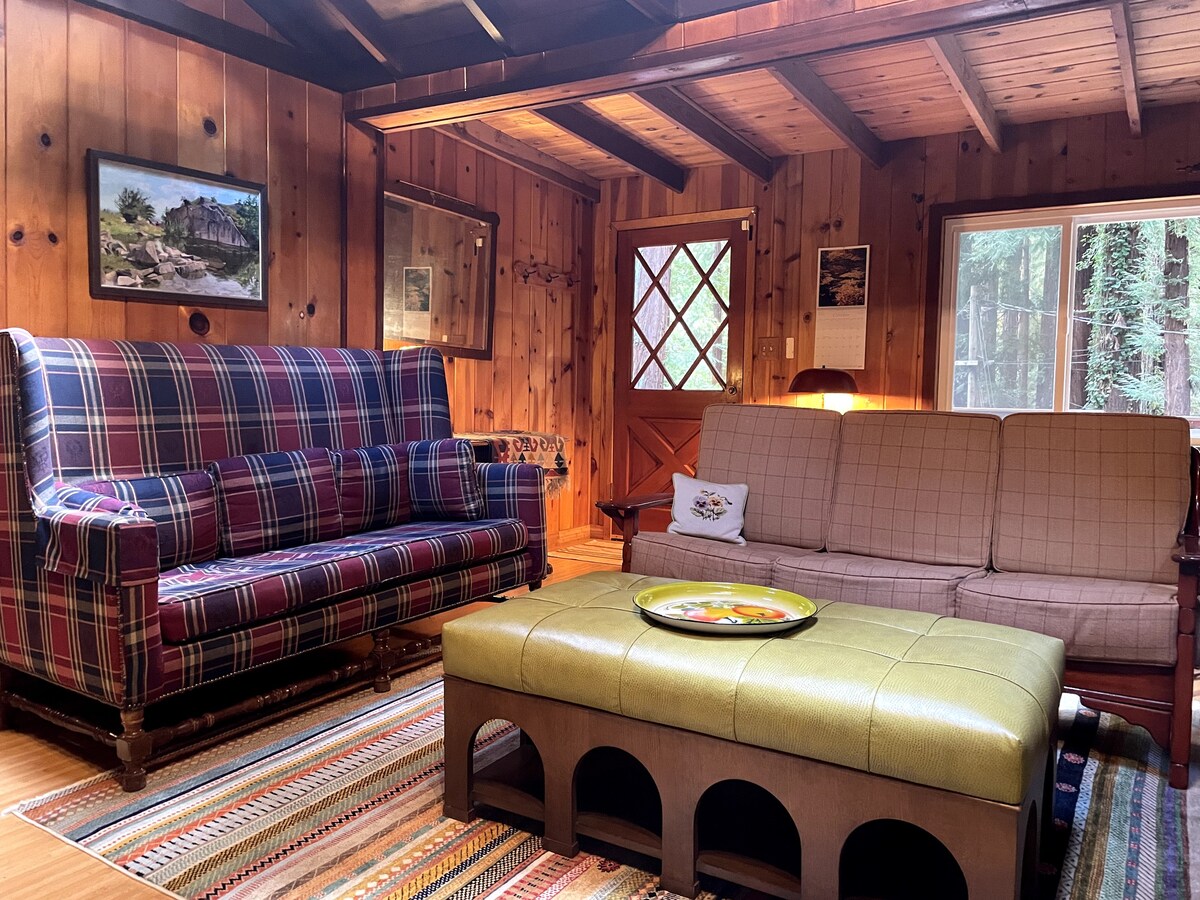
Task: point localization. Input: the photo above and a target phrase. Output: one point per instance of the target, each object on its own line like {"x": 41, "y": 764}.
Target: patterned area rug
{"x": 345, "y": 801}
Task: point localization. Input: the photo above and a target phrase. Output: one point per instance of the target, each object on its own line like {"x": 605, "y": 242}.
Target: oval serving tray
{"x": 723, "y": 607}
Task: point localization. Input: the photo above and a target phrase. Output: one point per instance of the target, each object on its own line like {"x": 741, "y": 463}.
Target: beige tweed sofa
{"x": 1068, "y": 524}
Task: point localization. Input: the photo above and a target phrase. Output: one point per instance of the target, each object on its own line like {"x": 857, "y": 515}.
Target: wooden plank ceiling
{"x": 1053, "y": 59}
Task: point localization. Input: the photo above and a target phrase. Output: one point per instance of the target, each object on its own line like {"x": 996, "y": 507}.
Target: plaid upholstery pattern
{"x": 196, "y": 601}
{"x": 199, "y": 662}
{"x": 699, "y": 559}
{"x": 441, "y": 480}
{"x": 916, "y": 486}
{"x": 121, "y": 409}
{"x": 896, "y": 584}
{"x": 84, "y": 635}
{"x": 77, "y": 411}
{"x": 85, "y": 499}
{"x": 372, "y": 485}
{"x": 518, "y": 491}
{"x": 1097, "y": 618}
{"x": 272, "y": 500}
{"x": 184, "y": 507}
{"x": 790, "y": 491}
{"x": 1100, "y": 495}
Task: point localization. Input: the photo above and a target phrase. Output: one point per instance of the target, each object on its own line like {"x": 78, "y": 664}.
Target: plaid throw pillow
{"x": 273, "y": 500}
{"x": 184, "y": 507}
{"x": 441, "y": 480}
{"x": 372, "y": 486}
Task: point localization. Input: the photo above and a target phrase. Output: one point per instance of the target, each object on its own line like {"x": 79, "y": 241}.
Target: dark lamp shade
{"x": 823, "y": 381}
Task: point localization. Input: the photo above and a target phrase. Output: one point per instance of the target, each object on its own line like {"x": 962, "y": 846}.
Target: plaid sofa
{"x": 92, "y": 593}
{"x": 1068, "y": 524}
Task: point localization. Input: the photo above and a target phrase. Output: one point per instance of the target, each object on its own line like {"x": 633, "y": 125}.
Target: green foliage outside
{"x": 1135, "y": 314}
{"x": 705, "y": 317}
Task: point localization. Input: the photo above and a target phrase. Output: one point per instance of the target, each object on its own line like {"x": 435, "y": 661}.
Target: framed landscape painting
{"x": 165, "y": 234}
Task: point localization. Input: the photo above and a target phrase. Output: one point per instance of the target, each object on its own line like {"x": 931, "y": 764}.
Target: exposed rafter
{"x": 949, "y": 54}
{"x": 1127, "y": 55}
{"x": 490, "y": 19}
{"x": 595, "y": 131}
{"x": 361, "y": 20}
{"x": 807, "y": 87}
{"x": 660, "y": 11}
{"x": 705, "y": 127}
{"x": 183, "y": 21}
{"x": 486, "y": 139}
{"x": 292, "y": 27}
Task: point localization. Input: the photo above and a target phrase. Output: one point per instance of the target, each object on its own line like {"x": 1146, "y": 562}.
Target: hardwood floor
{"x": 35, "y": 865}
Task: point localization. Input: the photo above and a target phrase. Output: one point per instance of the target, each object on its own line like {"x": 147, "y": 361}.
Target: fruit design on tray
{"x": 725, "y": 612}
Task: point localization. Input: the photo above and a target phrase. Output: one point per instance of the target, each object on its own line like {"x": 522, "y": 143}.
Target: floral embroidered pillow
{"x": 707, "y": 510}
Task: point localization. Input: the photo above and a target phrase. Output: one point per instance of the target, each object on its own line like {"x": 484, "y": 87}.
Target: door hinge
{"x": 748, "y": 227}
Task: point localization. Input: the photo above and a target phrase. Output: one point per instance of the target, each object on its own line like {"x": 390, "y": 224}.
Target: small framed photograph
{"x": 842, "y": 276}
{"x": 165, "y": 234}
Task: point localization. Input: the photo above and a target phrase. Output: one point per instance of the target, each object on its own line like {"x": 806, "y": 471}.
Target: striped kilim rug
{"x": 345, "y": 801}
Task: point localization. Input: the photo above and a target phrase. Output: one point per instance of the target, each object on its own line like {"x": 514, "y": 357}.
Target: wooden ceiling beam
{"x": 182, "y": 21}
{"x": 292, "y": 26}
{"x": 950, "y": 57}
{"x": 491, "y": 19}
{"x": 1127, "y": 56}
{"x": 361, "y": 20}
{"x": 594, "y": 130}
{"x": 708, "y": 129}
{"x": 617, "y": 65}
{"x": 486, "y": 139}
{"x": 807, "y": 87}
{"x": 661, "y": 12}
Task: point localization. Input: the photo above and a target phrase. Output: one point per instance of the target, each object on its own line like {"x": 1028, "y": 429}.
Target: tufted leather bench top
{"x": 953, "y": 704}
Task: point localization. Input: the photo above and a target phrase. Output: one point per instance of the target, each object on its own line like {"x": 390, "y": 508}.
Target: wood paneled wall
{"x": 74, "y": 78}
{"x": 539, "y": 375}
{"x": 832, "y": 199}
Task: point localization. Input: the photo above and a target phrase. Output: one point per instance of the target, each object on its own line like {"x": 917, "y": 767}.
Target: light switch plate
{"x": 767, "y": 348}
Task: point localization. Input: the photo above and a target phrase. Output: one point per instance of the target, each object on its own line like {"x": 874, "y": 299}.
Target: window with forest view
{"x": 1085, "y": 308}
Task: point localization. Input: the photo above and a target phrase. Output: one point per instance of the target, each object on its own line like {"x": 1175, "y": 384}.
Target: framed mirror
{"x": 438, "y": 258}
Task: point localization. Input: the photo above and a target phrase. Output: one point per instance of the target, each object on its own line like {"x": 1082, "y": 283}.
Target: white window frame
{"x": 1069, "y": 219}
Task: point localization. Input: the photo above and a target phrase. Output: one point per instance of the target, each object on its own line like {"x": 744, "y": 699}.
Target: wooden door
{"x": 681, "y": 300}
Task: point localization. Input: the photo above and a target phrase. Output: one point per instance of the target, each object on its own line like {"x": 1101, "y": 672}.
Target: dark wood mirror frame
{"x": 481, "y": 304}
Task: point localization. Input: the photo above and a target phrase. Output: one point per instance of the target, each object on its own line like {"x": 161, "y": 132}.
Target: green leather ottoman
{"x": 861, "y": 715}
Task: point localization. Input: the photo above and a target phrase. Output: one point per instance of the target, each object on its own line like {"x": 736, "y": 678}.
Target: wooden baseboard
{"x": 601, "y": 532}
{"x": 568, "y": 536}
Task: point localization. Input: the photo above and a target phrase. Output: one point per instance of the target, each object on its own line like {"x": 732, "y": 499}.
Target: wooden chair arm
{"x": 625, "y": 505}
{"x": 1189, "y": 549}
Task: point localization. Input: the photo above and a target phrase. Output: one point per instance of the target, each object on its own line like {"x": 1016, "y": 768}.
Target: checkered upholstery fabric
{"x": 79, "y": 599}
{"x": 1097, "y": 618}
{"x": 184, "y": 507}
{"x": 916, "y": 486}
{"x": 699, "y": 559}
{"x": 1091, "y": 495}
{"x": 196, "y": 601}
{"x": 86, "y": 499}
{"x": 272, "y": 500}
{"x": 218, "y": 656}
{"x": 518, "y": 491}
{"x": 441, "y": 480}
{"x": 372, "y": 484}
{"x": 894, "y": 583}
{"x": 787, "y": 457}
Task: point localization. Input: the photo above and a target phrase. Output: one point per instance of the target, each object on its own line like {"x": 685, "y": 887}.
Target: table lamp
{"x": 835, "y": 386}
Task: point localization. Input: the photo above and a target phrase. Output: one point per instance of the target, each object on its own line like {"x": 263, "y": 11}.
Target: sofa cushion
{"x": 195, "y": 601}
{"x": 699, "y": 559}
{"x": 893, "y": 583}
{"x": 1097, "y": 618}
{"x": 787, "y": 457}
{"x": 372, "y": 485}
{"x": 183, "y": 507}
{"x": 441, "y": 480}
{"x": 916, "y": 486}
{"x": 1091, "y": 495}
{"x": 272, "y": 500}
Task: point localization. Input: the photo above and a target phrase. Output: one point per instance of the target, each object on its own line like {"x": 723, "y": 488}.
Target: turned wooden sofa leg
{"x": 1185, "y": 656}
{"x": 385, "y": 658}
{"x": 133, "y": 747}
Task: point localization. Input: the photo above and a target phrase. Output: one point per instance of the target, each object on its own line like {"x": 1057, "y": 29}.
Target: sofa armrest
{"x": 518, "y": 491}
{"x": 626, "y": 511}
{"x": 97, "y": 538}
